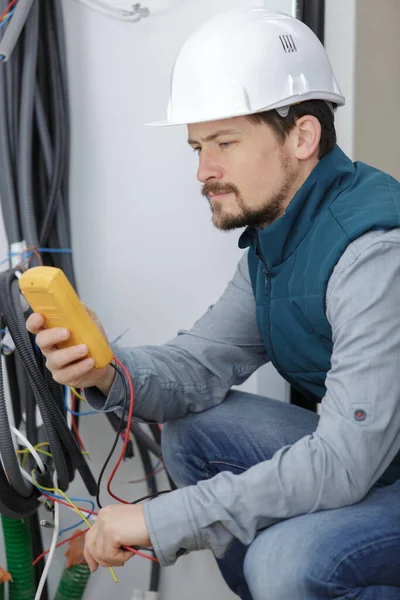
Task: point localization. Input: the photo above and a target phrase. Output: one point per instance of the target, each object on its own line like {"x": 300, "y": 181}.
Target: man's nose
{"x": 208, "y": 168}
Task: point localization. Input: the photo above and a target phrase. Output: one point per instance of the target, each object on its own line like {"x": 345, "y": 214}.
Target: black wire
{"x": 121, "y": 424}
{"x": 124, "y": 410}
{"x": 37, "y": 550}
{"x": 151, "y": 496}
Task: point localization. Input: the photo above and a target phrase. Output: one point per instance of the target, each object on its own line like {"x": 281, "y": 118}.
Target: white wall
{"x": 340, "y": 43}
{"x": 377, "y": 85}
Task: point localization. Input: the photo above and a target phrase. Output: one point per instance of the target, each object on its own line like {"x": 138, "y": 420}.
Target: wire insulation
{"x": 52, "y": 547}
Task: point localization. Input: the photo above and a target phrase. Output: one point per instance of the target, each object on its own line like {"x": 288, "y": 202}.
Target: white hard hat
{"x": 247, "y": 61}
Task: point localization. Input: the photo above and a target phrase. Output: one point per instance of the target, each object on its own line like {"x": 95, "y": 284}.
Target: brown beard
{"x": 250, "y": 217}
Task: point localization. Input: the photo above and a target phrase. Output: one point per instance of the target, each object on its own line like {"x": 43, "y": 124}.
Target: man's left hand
{"x": 115, "y": 526}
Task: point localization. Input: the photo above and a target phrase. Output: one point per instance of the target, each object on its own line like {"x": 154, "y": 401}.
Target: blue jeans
{"x": 350, "y": 553}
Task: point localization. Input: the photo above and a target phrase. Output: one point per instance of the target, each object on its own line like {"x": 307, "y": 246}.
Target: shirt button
{"x": 360, "y": 415}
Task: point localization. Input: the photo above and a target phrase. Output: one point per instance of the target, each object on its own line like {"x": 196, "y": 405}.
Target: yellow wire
{"x": 82, "y": 516}
{"x": 77, "y": 394}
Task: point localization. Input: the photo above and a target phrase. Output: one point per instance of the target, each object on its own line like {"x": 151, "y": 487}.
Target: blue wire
{"x": 30, "y": 252}
{"x": 72, "y": 527}
{"x": 77, "y": 414}
{"x": 56, "y": 250}
{"x": 4, "y": 21}
{"x": 54, "y": 496}
{"x": 87, "y": 500}
{"x": 82, "y": 414}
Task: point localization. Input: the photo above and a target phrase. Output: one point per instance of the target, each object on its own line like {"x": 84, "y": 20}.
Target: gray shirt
{"x": 333, "y": 467}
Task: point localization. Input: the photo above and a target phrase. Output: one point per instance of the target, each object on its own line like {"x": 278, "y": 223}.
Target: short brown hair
{"x": 283, "y": 125}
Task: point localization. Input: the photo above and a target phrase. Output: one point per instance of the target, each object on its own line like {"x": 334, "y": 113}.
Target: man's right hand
{"x": 69, "y": 366}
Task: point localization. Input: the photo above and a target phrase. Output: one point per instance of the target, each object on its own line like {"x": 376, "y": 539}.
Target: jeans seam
{"x": 354, "y": 551}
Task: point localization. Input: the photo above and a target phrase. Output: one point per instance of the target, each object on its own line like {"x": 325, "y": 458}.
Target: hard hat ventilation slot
{"x": 288, "y": 43}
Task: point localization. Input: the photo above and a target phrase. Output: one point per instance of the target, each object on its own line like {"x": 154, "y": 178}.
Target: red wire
{"x": 58, "y": 545}
{"x": 7, "y": 9}
{"x": 127, "y": 432}
{"x": 153, "y": 558}
{"x": 126, "y": 440}
{"x": 91, "y": 512}
{"x": 84, "y": 510}
{"x": 74, "y": 427}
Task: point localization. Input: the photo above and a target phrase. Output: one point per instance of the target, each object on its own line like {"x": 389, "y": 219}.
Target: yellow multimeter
{"x": 48, "y": 292}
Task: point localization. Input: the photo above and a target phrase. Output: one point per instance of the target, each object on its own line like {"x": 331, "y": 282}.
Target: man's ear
{"x": 306, "y": 137}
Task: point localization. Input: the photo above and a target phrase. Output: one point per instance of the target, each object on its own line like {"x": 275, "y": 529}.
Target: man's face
{"x": 249, "y": 176}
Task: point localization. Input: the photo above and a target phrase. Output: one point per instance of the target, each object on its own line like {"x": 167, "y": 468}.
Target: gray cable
{"x": 9, "y": 81}
{"x": 148, "y": 442}
{"x": 59, "y": 22}
{"x": 61, "y": 237}
{"x": 14, "y": 28}
{"x": 25, "y": 186}
{"x": 7, "y": 186}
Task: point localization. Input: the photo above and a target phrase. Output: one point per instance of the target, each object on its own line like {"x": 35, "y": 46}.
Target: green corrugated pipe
{"x": 73, "y": 583}
{"x": 19, "y": 559}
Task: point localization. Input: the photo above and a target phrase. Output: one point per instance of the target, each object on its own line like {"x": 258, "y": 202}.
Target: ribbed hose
{"x": 8, "y": 455}
{"x": 9, "y": 291}
{"x": 19, "y": 559}
{"x": 53, "y": 418}
{"x": 73, "y": 583}
{"x": 11, "y": 368}
{"x": 14, "y": 28}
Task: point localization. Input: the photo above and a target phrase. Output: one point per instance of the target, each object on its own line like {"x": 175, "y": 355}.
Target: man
{"x": 293, "y": 505}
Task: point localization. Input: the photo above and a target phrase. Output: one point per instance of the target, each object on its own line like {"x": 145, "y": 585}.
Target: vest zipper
{"x": 266, "y": 277}
{"x": 265, "y": 268}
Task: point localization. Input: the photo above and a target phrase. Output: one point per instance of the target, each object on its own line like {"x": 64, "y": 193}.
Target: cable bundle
{"x": 65, "y": 452}
{"x": 34, "y": 131}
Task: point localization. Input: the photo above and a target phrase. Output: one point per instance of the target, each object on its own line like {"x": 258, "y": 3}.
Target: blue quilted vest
{"x": 291, "y": 261}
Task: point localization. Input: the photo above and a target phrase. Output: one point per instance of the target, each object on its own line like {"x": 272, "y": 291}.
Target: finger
{"x": 127, "y": 555}
{"x": 92, "y": 564}
{"x": 47, "y": 339}
{"x": 73, "y": 374}
{"x": 112, "y": 563}
{"x": 35, "y": 323}
{"x": 60, "y": 359}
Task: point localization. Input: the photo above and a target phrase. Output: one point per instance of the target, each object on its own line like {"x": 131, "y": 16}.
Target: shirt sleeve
{"x": 195, "y": 370}
{"x": 357, "y": 437}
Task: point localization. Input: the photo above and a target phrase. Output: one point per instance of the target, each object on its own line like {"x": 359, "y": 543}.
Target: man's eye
{"x": 197, "y": 150}
{"x": 225, "y": 144}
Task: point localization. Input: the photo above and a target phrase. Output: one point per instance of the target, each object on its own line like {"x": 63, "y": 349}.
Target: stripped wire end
{"x": 74, "y": 552}
{"x": 4, "y": 576}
